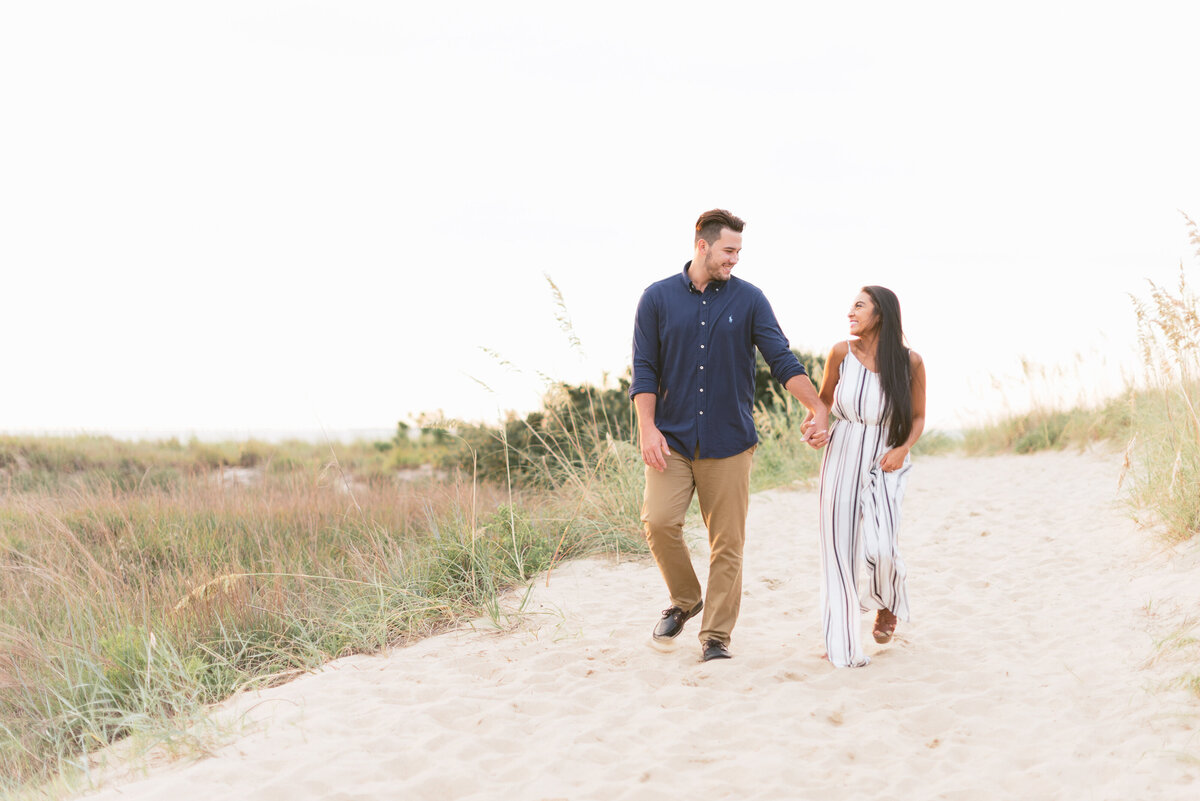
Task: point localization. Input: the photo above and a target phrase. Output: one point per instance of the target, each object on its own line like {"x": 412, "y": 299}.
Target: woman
{"x": 875, "y": 386}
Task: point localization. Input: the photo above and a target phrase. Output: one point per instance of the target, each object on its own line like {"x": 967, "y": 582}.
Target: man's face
{"x": 722, "y": 255}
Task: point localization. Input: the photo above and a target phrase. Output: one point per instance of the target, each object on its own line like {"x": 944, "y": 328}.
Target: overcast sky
{"x": 253, "y": 216}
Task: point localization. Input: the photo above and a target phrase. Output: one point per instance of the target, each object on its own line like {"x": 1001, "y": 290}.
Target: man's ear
{"x": 701, "y": 246}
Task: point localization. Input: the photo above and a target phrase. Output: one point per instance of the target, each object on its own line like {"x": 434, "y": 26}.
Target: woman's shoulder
{"x": 837, "y": 355}
{"x": 914, "y": 359}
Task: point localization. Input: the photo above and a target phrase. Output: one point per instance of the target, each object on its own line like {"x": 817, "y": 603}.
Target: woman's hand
{"x": 812, "y": 435}
{"x": 893, "y": 459}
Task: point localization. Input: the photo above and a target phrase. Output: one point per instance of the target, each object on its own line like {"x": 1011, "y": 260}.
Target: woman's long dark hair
{"x": 894, "y": 366}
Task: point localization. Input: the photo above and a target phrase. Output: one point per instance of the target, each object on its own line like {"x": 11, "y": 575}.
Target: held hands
{"x": 654, "y": 449}
{"x": 816, "y": 431}
{"x": 893, "y": 459}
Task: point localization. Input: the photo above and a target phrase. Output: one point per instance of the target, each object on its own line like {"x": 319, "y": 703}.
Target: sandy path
{"x": 1027, "y": 672}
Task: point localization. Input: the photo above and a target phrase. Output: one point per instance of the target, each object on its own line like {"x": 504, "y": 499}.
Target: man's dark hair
{"x": 709, "y": 226}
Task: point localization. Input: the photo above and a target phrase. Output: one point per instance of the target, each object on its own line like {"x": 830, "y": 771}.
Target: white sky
{"x": 257, "y": 216}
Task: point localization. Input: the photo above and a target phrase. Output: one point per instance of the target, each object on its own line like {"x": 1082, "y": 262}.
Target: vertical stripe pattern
{"x": 860, "y": 516}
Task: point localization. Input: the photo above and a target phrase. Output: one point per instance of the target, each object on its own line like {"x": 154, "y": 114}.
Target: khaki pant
{"x": 723, "y": 486}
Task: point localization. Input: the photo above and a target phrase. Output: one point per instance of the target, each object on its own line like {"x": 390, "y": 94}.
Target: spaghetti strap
{"x": 850, "y": 351}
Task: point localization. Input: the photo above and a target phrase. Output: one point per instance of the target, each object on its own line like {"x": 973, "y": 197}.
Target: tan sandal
{"x": 885, "y": 626}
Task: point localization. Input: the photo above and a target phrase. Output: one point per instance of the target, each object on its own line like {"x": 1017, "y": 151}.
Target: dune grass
{"x": 1156, "y": 419}
{"x": 1165, "y": 469}
{"x": 140, "y": 582}
{"x": 1050, "y": 428}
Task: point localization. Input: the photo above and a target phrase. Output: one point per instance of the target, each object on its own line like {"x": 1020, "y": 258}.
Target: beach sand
{"x": 1029, "y": 671}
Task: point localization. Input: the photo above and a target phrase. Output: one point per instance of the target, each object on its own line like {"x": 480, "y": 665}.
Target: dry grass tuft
{"x": 1165, "y": 468}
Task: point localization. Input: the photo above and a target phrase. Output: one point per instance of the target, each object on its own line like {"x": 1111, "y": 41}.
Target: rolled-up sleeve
{"x": 646, "y": 362}
{"x": 773, "y": 345}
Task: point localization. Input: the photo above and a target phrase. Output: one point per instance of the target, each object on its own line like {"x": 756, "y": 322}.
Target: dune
{"x": 1031, "y": 670}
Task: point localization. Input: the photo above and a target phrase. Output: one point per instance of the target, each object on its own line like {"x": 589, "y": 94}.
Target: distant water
{"x": 218, "y": 434}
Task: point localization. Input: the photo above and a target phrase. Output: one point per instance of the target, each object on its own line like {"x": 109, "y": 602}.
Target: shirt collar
{"x": 690, "y": 287}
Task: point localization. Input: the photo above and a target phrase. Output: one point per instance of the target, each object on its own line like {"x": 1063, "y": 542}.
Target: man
{"x": 693, "y": 386}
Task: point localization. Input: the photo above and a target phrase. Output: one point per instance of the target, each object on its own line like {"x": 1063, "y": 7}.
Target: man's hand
{"x": 816, "y": 428}
{"x": 654, "y": 448}
{"x": 816, "y": 424}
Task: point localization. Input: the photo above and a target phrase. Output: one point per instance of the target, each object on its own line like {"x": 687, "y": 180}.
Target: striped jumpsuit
{"x": 860, "y": 516}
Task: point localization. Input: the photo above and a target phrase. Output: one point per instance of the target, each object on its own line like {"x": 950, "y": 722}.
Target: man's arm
{"x": 653, "y": 443}
{"x": 644, "y": 387}
{"x": 833, "y": 370}
{"x": 768, "y": 337}
{"x": 786, "y": 368}
{"x": 802, "y": 390}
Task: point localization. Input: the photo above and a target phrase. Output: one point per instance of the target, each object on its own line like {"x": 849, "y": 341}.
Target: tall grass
{"x": 1165, "y": 465}
{"x": 126, "y": 604}
{"x": 1048, "y": 427}
{"x": 140, "y": 582}
{"x": 63, "y": 463}
{"x": 1157, "y": 419}
{"x": 1055, "y": 415}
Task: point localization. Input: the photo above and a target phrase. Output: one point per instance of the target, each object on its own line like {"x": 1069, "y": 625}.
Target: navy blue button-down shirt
{"x": 695, "y": 352}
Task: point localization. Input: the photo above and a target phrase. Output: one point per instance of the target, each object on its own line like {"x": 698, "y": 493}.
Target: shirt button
{"x": 701, "y": 412}
{"x": 701, "y": 322}
{"x": 702, "y": 367}
{"x": 701, "y": 389}
{"x": 701, "y": 347}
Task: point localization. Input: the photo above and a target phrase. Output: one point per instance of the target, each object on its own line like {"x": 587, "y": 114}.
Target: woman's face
{"x": 863, "y": 318}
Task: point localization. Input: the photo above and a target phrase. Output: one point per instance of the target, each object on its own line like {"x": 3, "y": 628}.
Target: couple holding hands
{"x": 693, "y": 386}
